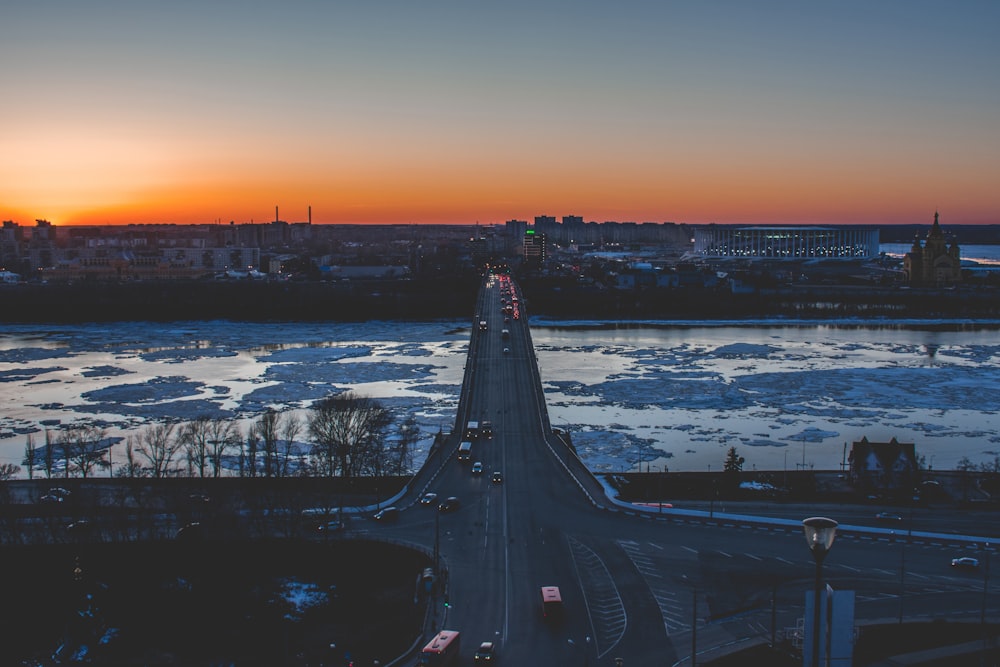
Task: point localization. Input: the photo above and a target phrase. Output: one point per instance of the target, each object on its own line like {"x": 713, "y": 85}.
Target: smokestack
{"x": 276, "y": 218}
{"x": 310, "y": 215}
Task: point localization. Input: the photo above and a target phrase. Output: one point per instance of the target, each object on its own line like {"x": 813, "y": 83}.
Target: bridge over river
{"x": 648, "y": 588}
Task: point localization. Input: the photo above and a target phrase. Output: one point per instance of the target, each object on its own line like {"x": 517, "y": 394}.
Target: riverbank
{"x": 425, "y": 299}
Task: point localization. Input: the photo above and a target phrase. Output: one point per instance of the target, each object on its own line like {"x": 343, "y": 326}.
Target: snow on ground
{"x": 636, "y": 396}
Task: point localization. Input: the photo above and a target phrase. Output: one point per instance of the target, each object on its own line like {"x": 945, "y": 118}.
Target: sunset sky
{"x": 874, "y": 111}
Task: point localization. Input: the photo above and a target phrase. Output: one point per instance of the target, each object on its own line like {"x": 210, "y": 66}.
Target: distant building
{"x": 730, "y": 241}
{"x": 534, "y": 248}
{"x": 936, "y": 262}
{"x": 883, "y": 466}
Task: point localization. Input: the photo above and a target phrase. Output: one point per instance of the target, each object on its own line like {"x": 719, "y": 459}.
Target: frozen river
{"x": 786, "y": 395}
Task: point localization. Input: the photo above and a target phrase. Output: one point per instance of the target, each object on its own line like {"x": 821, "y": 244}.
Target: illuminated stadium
{"x": 847, "y": 242}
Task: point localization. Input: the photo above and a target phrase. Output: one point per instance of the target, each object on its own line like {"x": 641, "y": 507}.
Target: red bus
{"x": 552, "y": 605}
{"x": 442, "y": 650}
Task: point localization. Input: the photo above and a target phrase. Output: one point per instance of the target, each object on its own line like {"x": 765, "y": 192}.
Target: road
{"x": 646, "y": 589}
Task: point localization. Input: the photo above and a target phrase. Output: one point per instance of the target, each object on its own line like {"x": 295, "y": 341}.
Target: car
{"x": 888, "y": 516}
{"x": 331, "y": 526}
{"x": 387, "y": 514}
{"x": 55, "y": 496}
{"x": 79, "y": 527}
{"x": 449, "y": 504}
{"x": 506, "y": 350}
{"x": 477, "y": 468}
{"x": 485, "y": 653}
{"x": 497, "y": 477}
{"x": 428, "y": 498}
{"x": 965, "y": 563}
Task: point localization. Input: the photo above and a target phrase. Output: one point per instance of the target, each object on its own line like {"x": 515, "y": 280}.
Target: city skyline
{"x": 692, "y": 113}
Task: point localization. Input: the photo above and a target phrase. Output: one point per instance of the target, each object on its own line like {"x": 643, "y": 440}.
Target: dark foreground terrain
{"x": 449, "y": 298}
{"x": 193, "y": 602}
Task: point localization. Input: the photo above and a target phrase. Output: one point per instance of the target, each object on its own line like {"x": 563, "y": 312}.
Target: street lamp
{"x": 819, "y": 532}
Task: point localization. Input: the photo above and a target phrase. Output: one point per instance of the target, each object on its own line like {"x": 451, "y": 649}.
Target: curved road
{"x": 646, "y": 589}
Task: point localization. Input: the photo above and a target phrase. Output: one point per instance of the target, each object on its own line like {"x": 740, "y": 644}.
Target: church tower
{"x": 936, "y": 263}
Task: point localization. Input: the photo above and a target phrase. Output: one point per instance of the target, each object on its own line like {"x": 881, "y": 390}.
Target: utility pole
{"x": 694, "y": 627}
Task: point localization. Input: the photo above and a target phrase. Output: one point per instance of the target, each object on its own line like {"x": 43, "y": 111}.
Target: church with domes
{"x": 936, "y": 263}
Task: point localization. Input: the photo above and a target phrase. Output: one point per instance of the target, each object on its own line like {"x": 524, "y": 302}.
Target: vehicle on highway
{"x": 888, "y": 516}
{"x": 428, "y": 498}
{"x": 79, "y": 527}
{"x": 449, "y": 504}
{"x": 55, "y": 496}
{"x": 485, "y": 653}
{"x": 477, "y": 468}
{"x": 331, "y": 526}
{"x": 506, "y": 350}
{"x": 552, "y": 604}
{"x": 472, "y": 430}
{"x": 387, "y": 514}
{"x": 442, "y": 650}
{"x": 497, "y": 477}
{"x": 464, "y": 451}
{"x": 965, "y": 563}
{"x": 486, "y": 429}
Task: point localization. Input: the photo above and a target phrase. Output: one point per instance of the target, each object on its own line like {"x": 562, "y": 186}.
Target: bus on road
{"x": 464, "y": 451}
{"x": 472, "y": 430}
{"x": 552, "y": 604}
{"x": 442, "y": 650}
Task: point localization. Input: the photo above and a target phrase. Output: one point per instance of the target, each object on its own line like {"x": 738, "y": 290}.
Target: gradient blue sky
{"x": 732, "y": 112}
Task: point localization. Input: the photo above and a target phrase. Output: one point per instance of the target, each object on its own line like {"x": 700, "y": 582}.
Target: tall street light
{"x": 819, "y": 532}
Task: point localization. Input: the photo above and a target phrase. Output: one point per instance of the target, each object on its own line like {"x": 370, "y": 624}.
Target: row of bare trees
{"x": 348, "y": 435}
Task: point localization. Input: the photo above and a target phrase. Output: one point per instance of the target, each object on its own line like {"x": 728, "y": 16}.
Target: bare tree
{"x": 250, "y": 452}
{"x": 400, "y": 454}
{"x": 49, "y": 456}
{"x": 30, "y": 455}
{"x": 195, "y": 436}
{"x": 84, "y": 448}
{"x": 347, "y": 432}
{"x": 290, "y": 428}
{"x": 266, "y": 427}
{"x": 131, "y": 468}
{"x": 158, "y": 446}
{"x": 9, "y": 471}
{"x": 223, "y": 435}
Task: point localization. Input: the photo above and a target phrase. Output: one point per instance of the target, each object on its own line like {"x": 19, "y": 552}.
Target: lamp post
{"x": 819, "y": 532}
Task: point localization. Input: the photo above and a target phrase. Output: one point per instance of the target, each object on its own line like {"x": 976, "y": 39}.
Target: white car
{"x": 477, "y": 468}
{"x": 428, "y": 498}
{"x": 965, "y": 563}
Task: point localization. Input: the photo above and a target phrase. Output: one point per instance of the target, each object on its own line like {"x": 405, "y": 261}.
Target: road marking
{"x": 694, "y": 551}
{"x": 608, "y": 619}
{"x": 757, "y": 558}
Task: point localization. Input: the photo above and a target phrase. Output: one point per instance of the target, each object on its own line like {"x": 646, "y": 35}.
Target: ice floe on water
{"x": 636, "y": 396}
{"x": 793, "y": 394}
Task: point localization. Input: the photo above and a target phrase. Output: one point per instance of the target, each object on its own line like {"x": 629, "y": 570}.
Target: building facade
{"x": 846, "y": 242}
{"x": 936, "y": 262}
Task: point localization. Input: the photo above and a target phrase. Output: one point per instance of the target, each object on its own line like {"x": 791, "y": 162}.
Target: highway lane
{"x": 644, "y": 589}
